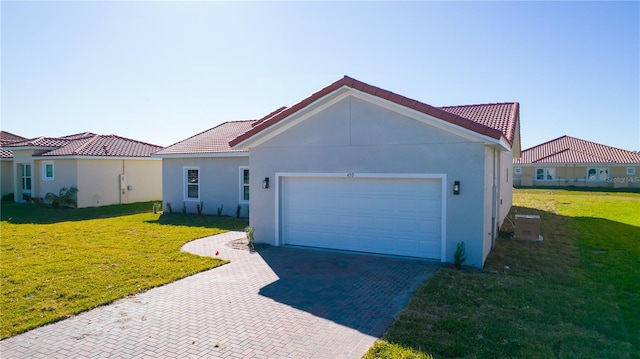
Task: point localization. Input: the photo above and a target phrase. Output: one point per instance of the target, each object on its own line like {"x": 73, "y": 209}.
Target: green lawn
{"x": 58, "y": 262}
{"x": 576, "y": 295}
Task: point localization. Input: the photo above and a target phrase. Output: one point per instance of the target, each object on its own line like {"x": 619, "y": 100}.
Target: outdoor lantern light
{"x": 265, "y": 183}
{"x": 456, "y": 187}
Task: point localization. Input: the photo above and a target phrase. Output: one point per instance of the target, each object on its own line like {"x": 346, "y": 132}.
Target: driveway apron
{"x": 280, "y": 302}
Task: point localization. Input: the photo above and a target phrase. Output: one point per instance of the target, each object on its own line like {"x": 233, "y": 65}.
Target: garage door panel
{"x": 380, "y": 215}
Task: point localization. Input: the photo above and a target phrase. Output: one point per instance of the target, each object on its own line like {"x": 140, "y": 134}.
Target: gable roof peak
{"x": 506, "y": 130}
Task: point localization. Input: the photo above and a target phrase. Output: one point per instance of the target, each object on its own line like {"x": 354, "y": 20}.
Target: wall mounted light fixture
{"x": 456, "y": 187}
{"x": 265, "y": 183}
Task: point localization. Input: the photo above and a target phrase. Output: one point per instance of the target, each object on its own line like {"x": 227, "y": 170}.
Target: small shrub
{"x": 156, "y": 207}
{"x": 249, "y": 232}
{"x": 238, "y": 210}
{"x": 459, "y": 257}
{"x": 219, "y": 210}
{"x": 8, "y": 197}
{"x": 184, "y": 208}
{"x": 65, "y": 198}
{"x": 169, "y": 208}
{"x": 199, "y": 208}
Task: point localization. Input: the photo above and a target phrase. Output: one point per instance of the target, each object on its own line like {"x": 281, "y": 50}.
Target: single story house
{"x": 570, "y": 161}
{"x": 106, "y": 169}
{"x": 356, "y": 167}
{"x": 6, "y": 162}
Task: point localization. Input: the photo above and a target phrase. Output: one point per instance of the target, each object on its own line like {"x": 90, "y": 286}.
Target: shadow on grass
{"x": 23, "y": 213}
{"x": 573, "y": 295}
{"x": 205, "y": 221}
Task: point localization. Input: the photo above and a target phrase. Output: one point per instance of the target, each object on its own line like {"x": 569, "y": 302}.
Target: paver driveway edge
{"x": 240, "y": 310}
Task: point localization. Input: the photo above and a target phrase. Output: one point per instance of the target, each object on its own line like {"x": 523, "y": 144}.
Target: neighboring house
{"x": 570, "y": 161}
{"x": 355, "y": 167}
{"x": 6, "y": 162}
{"x": 106, "y": 169}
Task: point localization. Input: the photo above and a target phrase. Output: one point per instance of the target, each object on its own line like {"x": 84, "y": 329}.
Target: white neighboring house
{"x": 106, "y": 169}
{"x": 355, "y": 167}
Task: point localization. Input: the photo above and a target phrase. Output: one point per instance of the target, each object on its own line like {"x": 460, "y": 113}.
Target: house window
{"x": 192, "y": 183}
{"x": 244, "y": 184}
{"x": 26, "y": 178}
{"x": 47, "y": 171}
{"x": 545, "y": 174}
{"x": 598, "y": 174}
{"x": 518, "y": 170}
{"x": 631, "y": 171}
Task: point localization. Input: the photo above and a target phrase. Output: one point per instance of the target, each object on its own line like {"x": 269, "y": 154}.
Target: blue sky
{"x": 160, "y": 72}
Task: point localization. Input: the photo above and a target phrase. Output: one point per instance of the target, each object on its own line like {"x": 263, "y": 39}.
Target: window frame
{"x": 242, "y": 185}
{"x": 186, "y": 183}
{"x": 517, "y": 170}
{"x": 27, "y": 179}
{"x": 44, "y": 171}
{"x": 631, "y": 171}
{"x": 545, "y": 174}
{"x": 598, "y": 171}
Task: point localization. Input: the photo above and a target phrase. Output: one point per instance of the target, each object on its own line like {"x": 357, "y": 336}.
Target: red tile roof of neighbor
{"x": 90, "y": 144}
{"x": 7, "y": 138}
{"x": 492, "y": 120}
{"x": 567, "y": 149}
{"x": 214, "y": 140}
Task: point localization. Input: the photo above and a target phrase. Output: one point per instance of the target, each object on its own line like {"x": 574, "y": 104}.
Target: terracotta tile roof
{"x": 7, "y": 138}
{"x": 214, "y": 140}
{"x": 448, "y": 116}
{"x": 567, "y": 149}
{"x": 500, "y": 116}
{"x": 41, "y": 142}
{"x": 104, "y": 146}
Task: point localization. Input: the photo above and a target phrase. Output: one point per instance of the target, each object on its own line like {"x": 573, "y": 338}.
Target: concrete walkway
{"x": 278, "y": 303}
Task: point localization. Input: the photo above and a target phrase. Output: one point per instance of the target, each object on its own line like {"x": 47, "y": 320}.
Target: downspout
{"x": 494, "y": 200}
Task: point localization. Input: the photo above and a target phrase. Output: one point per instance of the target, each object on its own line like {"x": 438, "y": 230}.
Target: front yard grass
{"x": 58, "y": 262}
{"x": 575, "y": 295}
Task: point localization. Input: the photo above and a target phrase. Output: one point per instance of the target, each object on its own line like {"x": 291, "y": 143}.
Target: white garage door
{"x": 400, "y": 216}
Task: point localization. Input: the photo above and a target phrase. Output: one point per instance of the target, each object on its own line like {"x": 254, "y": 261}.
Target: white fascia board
{"x": 53, "y": 158}
{"x": 202, "y": 155}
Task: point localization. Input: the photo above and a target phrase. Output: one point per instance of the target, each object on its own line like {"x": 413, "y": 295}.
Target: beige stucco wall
{"x": 6, "y": 176}
{"x": 576, "y": 174}
{"x": 65, "y": 174}
{"x": 99, "y": 181}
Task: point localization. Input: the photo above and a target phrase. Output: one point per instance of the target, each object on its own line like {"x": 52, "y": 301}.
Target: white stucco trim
{"x": 202, "y": 155}
{"x": 344, "y": 92}
{"x": 441, "y": 176}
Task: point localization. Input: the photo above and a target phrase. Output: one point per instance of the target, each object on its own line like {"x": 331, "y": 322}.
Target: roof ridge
{"x": 84, "y": 145}
{"x": 485, "y": 104}
{"x": 132, "y": 140}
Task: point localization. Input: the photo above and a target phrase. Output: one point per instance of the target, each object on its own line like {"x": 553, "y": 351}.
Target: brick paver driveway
{"x": 277, "y": 303}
